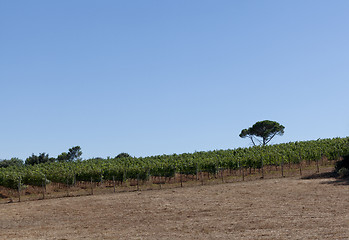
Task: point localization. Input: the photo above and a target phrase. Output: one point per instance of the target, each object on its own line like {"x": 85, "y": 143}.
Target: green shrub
{"x": 343, "y": 172}
{"x": 342, "y": 164}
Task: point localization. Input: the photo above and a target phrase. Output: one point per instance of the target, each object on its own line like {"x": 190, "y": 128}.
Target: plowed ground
{"x": 283, "y": 208}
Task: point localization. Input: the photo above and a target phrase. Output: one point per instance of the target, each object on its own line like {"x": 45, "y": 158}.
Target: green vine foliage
{"x": 122, "y": 169}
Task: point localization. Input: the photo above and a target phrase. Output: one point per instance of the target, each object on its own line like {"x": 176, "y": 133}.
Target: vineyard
{"x": 169, "y": 166}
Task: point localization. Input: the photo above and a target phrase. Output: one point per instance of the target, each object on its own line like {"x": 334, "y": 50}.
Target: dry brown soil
{"x": 283, "y": 208}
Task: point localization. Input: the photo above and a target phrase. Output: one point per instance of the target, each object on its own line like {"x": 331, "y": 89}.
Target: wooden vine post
{"x": 19, "y": 189}
{"x": 114, "y": 183}
{"x": 239, "y": 166}
{"x": 300, "y": 164}
{"x": 181, "y": 179}
{"x": 262, "y": 167}
{"x": 43, "y": 187}
{"x": 138, "y": 182}
{"x": 67, "y": 187}
{"x": 282, "y": 167}
{"x": 101, "y": 182}
{"x": 322, "y": 159}
{"x": 222, "y": 175}
{"x": 45, "y": 183}
{"x": 91, "y": 187}
{"x": 202, "y": 178}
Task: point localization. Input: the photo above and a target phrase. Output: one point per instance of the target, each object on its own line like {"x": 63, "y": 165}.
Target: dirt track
{"x": 288, "y": 208}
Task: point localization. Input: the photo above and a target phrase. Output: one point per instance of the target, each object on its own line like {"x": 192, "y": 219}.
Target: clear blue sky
{"x": 162, "y": 77}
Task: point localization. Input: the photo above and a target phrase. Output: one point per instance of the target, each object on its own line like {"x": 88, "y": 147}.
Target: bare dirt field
{"x": 282, "y": 208}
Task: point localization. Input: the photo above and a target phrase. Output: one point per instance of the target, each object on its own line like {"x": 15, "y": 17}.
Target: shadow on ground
{"x": 332, "y": 177}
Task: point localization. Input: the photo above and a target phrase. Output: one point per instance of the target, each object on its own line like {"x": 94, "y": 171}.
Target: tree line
{"x": 73, "y": 154}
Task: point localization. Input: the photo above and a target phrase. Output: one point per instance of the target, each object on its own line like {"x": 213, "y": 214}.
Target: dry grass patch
{"x": 283, "y": 208}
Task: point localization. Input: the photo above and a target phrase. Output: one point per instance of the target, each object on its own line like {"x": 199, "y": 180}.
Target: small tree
{"x": 123, "y": 155}
{"x": 63, "y": 157}
{"x": 73, "y": 155}
{"x": 41, "y": 158}
{"x": 264, "y": 129}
